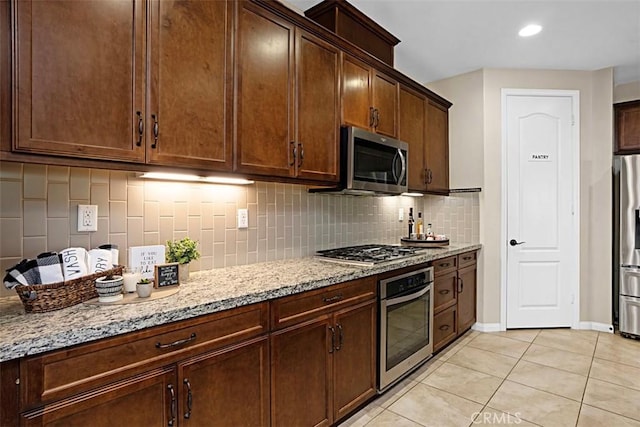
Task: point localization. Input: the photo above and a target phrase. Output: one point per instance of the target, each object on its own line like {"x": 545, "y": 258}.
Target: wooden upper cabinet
{"x": 79, "y": 78}
{"x": 287, "y": 121}
{"x": 318, "y": 110}
{"x": 369, "y": 98}
{"x": 627, "y": 127}
{"x": 385, "y": 104}
{"x": 264, "y": 74}
{"x": 190, "y": 85}
{"x": 437, "y": 154}
{"x": 412, "y": 127}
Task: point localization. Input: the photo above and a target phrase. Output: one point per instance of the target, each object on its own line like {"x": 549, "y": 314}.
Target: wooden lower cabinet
{"x": 454, "y": 297}
{"x": 323, "y": 368}
{"x": 144, "y": 400}
{"x": 466, "y": 297}
{"x": 226, "y": 388}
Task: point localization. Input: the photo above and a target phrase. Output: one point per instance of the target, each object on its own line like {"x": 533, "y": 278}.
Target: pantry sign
{"x": 539, "y": 157}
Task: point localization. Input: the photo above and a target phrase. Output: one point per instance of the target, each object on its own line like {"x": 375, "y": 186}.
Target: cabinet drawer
{"x": 467, "y": 258}
{"x": 445, "y": 265}
{"x": 444, "y": 328}
{"x": 444, "y": 294}
{"x": 61, "y": 373}
{"x": 297, "y": 308}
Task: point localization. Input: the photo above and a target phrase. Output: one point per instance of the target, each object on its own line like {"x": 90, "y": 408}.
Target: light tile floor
{"x": 548, "y": 377}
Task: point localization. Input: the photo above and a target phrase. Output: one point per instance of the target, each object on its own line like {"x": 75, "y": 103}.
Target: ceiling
{"x": 444, "y": 38}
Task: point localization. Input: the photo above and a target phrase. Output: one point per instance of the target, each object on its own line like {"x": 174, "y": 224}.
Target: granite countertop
{"x": 206, "y": 292}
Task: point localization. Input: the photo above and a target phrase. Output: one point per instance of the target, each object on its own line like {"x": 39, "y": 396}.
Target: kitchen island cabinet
{"x": 323, "y": 365}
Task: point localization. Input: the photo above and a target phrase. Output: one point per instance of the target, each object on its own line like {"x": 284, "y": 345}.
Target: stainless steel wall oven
{"x": 405, "y": 324}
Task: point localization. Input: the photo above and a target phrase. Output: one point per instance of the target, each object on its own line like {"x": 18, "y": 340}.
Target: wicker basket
{"x": 55, "y": 296}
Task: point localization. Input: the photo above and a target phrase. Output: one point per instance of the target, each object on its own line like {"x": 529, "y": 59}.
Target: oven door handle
{"x": 412, "y": 296}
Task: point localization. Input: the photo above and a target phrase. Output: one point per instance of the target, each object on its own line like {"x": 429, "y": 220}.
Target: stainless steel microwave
{"x": 372, "y": 163}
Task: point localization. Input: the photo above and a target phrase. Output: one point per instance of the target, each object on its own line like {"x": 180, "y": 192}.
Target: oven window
{"x": 407, "y": 329}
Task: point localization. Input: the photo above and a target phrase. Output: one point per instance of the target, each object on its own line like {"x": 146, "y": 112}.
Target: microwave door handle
{"x": 403, "y": 161}
{"x": 393, "y": 166}
{"x": 405, "y": 298}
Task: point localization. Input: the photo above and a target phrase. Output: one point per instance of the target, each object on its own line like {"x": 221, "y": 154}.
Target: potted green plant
{"x": 144, "y": 287}
{"x": 183, "y": 252}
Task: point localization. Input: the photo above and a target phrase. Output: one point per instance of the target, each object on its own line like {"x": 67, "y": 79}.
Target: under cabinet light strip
{"x": 195, "y": 178}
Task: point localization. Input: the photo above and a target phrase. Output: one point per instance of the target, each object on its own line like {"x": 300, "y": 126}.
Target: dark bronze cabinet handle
{"x": 332, "y": 299}
{"x": 444, "y": 327}
{"x": 467, "y": 258}
{"x": 376, "y": 118}
{"x": 176, "y": 343}
{"x": 294, "y": 153}
{"x": 156, "y": 130}
{"x": 443, "y": 292}
{"x": 187, "y": 414}
{"x": 372, "y": 117}
{"x": 444, "y": 264}
{"x": 339, "y": 326}
{"x": 429, "y": 176}
{"x": 301, "y": 153}
{"x": 140, "y": 128}
{"x": 460, "y": 285}
{"x": 172, "y": 421}
{"x": 333, "y": 339}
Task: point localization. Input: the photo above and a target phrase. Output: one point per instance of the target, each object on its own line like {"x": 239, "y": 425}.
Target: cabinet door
{"x": 356, "y": 100}
{"x": 191, "y": 84}
{"x": 80, "y": 78}
{"x": 264, "y": 73}
{"x": 226, "y": 388}
{"x": 437, "y": 160}
{"x": 145, "y": 400}
{"x": 627, "y": 127}
{"x": 466, "y": 298}
{"x": 444, "y": 328}
{"x": 444, "y": 294}
{"x": 301, "y": 372}
{"x": 354, "y": 375}
{"x": 318, "y": 114}
{"x": 412, "y": 122}
{"x": 385, "y": 103}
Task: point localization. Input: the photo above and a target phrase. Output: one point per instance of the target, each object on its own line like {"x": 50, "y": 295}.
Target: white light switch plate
{"x": 87, "y": 217}
{"x": 243, "y": 218}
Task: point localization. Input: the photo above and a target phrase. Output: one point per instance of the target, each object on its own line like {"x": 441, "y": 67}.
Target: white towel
{"x": 74, "y": 263}
{"x": 99, "y": 260}
{"x": 50, "y": 268}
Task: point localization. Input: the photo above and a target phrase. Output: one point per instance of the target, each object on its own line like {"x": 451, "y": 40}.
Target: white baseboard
{"x": 595, "y": 326}
{"x": 486, "y": 327}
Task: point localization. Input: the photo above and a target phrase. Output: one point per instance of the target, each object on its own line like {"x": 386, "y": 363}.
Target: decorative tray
{"x": 132, "y": 298}
{"x": 424, "y": 243}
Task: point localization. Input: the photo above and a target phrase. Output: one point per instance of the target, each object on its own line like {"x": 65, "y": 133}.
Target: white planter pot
{"x": 144, "y": 289}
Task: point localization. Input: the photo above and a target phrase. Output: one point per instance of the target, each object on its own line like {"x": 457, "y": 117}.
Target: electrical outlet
{"x": 400, "y": 214}
{"x": 87, "y": 217}
{"x": 243, "y": 218}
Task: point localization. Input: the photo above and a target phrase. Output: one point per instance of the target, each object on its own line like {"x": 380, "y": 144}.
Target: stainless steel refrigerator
{"x": 629, "y": 311}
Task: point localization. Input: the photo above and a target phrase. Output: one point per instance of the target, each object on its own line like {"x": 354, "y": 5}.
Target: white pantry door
{"x": 541, "y": 281}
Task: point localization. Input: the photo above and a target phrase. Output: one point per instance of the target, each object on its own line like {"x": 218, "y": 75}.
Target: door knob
{"x": 514, "y": 242}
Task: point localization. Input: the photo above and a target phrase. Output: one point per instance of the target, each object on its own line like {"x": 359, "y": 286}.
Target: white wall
{"x": 596, "y": 129}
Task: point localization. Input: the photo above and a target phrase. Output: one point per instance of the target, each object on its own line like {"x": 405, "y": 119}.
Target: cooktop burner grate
{"x": 366, "y": 254}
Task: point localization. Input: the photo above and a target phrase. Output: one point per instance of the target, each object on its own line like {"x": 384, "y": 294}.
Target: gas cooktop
{"x": 367, "y": 254}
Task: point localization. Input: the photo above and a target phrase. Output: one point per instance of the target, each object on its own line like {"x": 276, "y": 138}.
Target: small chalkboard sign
{"x": 166, "y": 275}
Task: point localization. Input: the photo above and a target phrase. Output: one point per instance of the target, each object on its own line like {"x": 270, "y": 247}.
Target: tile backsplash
{"x": 38, "y": 213}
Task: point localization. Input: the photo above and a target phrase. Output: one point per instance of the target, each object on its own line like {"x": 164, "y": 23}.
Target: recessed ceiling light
{"x": 530, "y": 30}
